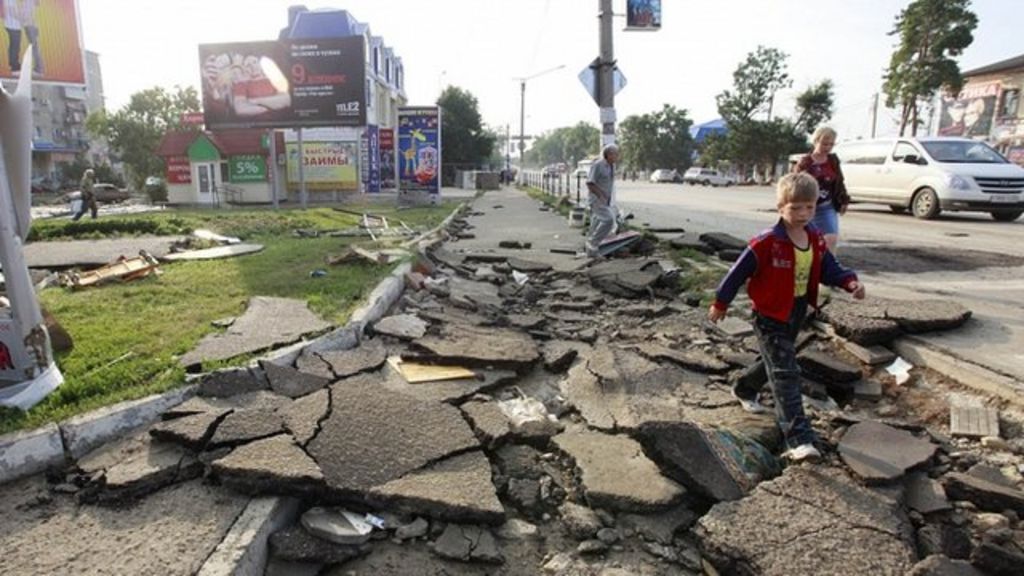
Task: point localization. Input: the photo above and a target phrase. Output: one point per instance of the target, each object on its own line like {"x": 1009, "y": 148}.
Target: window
{"x": 1011, "y": 100}
{"x": 904, "y": 149}
{"x": 376, "y": 60}
{"x": 865, "y": 152}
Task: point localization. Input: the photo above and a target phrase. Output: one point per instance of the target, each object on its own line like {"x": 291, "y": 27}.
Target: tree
{"x": 755, "y": 82}
{"x": 465, "y": 143}
{"x": 931, "y": 33}
{"x": 568, "y": 144}
{"x": 814, "y": 106}
{"x": 134, "y": 131}
{"x": 657, "y": 140}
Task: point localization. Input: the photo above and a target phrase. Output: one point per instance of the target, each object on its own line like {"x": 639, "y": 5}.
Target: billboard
{"x": 970, "y": 114}
{"x": 179, "y": 170}
{"x": 51, "y": 28}
{"x": 287, "y": 83}
{"x": 387, "y": 158}
{"x": 328, "y": 165}
{"x": 643, "y": 15}
{"x": 419, "y": 149}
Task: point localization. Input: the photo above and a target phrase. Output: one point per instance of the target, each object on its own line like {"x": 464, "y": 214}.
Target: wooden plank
{"x": 416, "y": 373}
{"x": 973, "y": 421}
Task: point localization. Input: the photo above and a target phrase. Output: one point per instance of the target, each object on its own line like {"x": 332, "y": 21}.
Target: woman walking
{"x": 823, "y": 165}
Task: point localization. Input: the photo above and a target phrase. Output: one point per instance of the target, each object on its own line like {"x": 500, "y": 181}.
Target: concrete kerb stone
{"x": 29, "y": 452}
{"x": 920, "y": 353}
{"x": 243, "y": 551}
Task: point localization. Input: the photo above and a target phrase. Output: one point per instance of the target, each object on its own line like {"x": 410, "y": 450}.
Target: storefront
{"x": 988, "y": 108}
{"x": 215, "y": 168}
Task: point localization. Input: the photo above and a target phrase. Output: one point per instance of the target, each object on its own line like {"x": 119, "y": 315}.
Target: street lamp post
{"x": 522, "y": 108}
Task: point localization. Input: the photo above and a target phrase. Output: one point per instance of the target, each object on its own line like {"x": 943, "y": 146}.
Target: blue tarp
{"x": 702, "y": 131}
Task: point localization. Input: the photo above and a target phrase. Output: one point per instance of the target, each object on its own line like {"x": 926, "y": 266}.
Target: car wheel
{"x": 926, "y": 204}
{"x": 898, "y": 209}
{"x": 1006, "y": 216}
{"x": 706, "y": 182}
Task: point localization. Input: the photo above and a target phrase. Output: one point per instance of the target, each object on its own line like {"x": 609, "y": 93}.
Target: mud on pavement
{"x": 509, "y": 417}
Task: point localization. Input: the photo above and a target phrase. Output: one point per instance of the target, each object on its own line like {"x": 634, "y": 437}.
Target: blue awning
{"x": 702, "y": 131}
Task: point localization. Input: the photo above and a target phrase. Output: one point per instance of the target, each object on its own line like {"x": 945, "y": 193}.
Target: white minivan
{"x": 929, "y": 175}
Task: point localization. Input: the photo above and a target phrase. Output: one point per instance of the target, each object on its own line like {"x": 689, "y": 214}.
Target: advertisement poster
{"x": 284, "y": 83}
{"x": 387, "y": 158}
{"x": 643, "y": 15}
{"x": 328, "y": 165}
{"x": 179, "y": 170}
{"x": 247, "y": 168}
{"x": 51, "y": 27}
{"x": 419, "y": 149}
{"x": 970, "y": 114}
{"x": 373, "y": 150}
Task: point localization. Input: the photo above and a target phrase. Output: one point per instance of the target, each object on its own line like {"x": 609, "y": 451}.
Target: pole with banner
{"x": 27, "y": 370}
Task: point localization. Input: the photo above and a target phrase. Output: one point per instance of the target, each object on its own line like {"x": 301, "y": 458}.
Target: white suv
{"x": 707, "y": 177}
{"x": 929, "y": 175}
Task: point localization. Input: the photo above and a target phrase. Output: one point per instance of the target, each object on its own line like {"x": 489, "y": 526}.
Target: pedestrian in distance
{"x": 783, "y": 267}
{"x": 88, "y": 195}
{"x": 823, "y": 165}
{"x": 601, "y": 185}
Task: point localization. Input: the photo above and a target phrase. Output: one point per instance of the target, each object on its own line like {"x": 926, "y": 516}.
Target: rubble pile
{"x": 509, "y": 418}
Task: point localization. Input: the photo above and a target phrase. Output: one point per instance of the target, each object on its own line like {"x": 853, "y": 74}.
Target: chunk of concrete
{"x": 402, "y": 326}
{"x": 998, "y": 560}
{"x": 368, "y": 356}
{"x": 231, "y": 382}
{"x": 983, "y": 493}
{"x": 828, "y": 369}
{"x": 616, "y": 474}
{"x": 871, "y": 355}
{"x": 925, "y": 494}
{"x": 580, "y": 522}
{"x": 809, "y": 521}
{"x": 242, "y": 426}
{"x": 302, "y": 417}
{"x": 468, "y": 544}
{"x": 148, "y": 468}
{"x": 288, "y": 381}
{"x": 310, "y": 362}
{"x": 735, "y": 328}
{"x": 660, "y": 527}
{"x": 723, "y": 241}
{"x": 458, "y": 489}
{"x": 476, "y": 346}
{"x": 559, "y": 354}
{"x": 716, "y": 463}
{"x": 938, "y": 565}
{"x": 488, "y": 421}
{"x": 374, "y": 436}
{"x": 626, "y": 278}
{"x": 297, "y": 545}
{"x": 692, "y": 358}
{"x": 192, "y": 432}
{"x": 880, "y": 453}
{"x": 274, "y": 465}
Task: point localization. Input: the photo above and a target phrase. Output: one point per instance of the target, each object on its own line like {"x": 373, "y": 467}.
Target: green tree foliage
{"x": 465, "y": 144}
{"x": 73, "y": 172}
{"x": 134, "y": 131}
{"x": 657, "y": 140}
{"x": 755, "y": 82}
{"x": 568, "y": 144}
{"x": 931, "y": 33}
{"x": 814, "y": 106}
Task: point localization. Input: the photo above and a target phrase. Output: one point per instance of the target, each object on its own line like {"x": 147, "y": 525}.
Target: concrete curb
{"x": 243, "y": 551}
{"x": 920, "y": 353}
{"x": 29, "y": 452}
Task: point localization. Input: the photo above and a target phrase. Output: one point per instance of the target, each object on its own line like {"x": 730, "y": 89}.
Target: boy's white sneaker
{"x": 802, "y": 452}
{"x": 752, "y": 406}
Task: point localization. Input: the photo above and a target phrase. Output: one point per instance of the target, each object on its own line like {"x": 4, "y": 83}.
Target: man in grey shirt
{"x": 601, "y": 184}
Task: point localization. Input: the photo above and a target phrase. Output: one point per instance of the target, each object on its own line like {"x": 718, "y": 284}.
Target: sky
{"x": 486, "y": 46}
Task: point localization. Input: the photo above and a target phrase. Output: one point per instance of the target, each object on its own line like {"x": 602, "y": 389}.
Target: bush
{"x": 157, "y": 192}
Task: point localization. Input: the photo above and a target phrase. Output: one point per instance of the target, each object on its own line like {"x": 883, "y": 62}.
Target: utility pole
{"x": 605, "y": 75}
{"x": 508, "y": 150}
{"x": 874, "y": 115}
{"x": 522, "y": 109}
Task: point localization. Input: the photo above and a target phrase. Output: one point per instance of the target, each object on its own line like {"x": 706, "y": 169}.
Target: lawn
{"x": 128, "y": 336}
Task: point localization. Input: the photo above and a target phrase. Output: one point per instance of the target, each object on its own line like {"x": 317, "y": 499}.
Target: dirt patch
{"x": 919, "y": 259}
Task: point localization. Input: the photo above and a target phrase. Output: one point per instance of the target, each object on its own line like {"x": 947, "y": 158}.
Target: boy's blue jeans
{"x": 777, "y": 341}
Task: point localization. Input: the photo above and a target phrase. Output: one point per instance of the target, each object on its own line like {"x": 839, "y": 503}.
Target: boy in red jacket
{"x": 784, "y": 266}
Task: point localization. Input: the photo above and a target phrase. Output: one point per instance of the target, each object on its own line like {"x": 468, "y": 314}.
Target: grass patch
{"x": 560, "y": 204}
{"x": 700, "y": 275}
{"x": 128, "y": 336}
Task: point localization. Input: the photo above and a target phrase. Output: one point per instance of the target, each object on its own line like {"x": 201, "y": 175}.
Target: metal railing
{"x": 572, "y": 185}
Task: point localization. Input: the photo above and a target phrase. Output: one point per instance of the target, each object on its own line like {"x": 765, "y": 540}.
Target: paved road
{"x": 963, "y": 256}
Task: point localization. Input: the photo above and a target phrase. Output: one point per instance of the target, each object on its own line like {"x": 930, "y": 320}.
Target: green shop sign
{"x": 247, "y": 168}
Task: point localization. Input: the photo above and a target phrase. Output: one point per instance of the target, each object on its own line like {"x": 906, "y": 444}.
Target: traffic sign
{"x": 588, "y": 77}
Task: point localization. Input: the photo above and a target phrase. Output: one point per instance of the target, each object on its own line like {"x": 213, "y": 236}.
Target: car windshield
{"x": 957, "y": 152}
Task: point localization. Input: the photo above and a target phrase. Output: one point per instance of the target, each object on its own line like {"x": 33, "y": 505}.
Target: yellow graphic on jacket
{"x": 802, "y": 273}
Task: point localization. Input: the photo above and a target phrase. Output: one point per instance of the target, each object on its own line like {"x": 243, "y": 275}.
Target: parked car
{"x": 665, "y": 175}
{"x": 707, "y": 177}
{"x": 104, "y": 193}
{"x": 929, "y": 175}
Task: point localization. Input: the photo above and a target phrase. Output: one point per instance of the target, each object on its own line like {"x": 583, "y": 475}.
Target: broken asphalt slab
{"x": 275, "y": 465}
{"x": 880, "y": 320}
{"x": 476, "y": 346}
{"x": 93, "y": 253}
{"x": 252, "y": 332}
{"x": 879, "y": 453}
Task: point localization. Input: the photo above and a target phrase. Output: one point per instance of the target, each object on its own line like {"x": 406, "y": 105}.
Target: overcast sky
{"x": 485, "y": 45}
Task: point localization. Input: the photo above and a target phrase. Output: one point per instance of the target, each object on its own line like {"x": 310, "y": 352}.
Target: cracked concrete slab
{"x": 242, "y": 426}
{"x": 457, "y": 489}
{"x": 491, "y": 425}
{"x": 157, "y": 466}
{"x": 309, "y": 362}
{"x": 692, "y": 358}
{"x": 274, "y": 465}
{"x": 374, "y": 435}
{"x": 809, "y": 521}
{"x": 302, "y": 417}
{"x": 252, "y": 332}
{"x": 468, "y": 544}
{"x": 231, "y": 382}
{"x": 192, "y": 432}
{"x": 93, "y": 253}
{"x": 366, "y": 357}
{"x": 880, "y": 453}
{"x": 402, "y": 326}
{"x": 288, "y": 381}
{"x": 616, "y": 474}
{"x": 880, "y": 320}
{"x": 476, "y": 346}
{"x": 626, "y": 278}
{"x": 473, "y": 295}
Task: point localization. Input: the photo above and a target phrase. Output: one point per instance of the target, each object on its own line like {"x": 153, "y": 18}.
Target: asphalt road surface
{"x": 963, "y": 256}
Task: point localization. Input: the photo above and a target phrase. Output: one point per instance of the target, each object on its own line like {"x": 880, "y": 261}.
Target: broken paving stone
{"x": 717, "y": 463}
{"x": 528, "y": 266}
{"x": 867, "y": 389}
{"x": 251, "y": 332}
{"x": 690, "y": 242}
{"x": 525, "y": 494}
{"x": 526, "y": 321}
{"x": 991, "y": 474}
{"x": 591, "y": 548}
{"x": 518, "y": 461}
{"x": 337, "y": 525}
{"x": 735, "y": 328}
{"x": 415, "y": 529}
{"x": 855, "y": 531}
{"x": 374, "y": 435}
{"x": 729, "y": 254}
{"x": 468, "y": 544}
{"x": 473, "y": 295}
{"x": 879, "y": 320}
{"x": 297, "y": 545}
{"x": 998, "y": 560}
{"x": 457, "y": 489}
{"x": 192, "y": 432}
{"x": 925, "y": 494}
{"x": 660, "y": 527}
{"x": 871, "y": 355}
{"x": 983, "y": 493}
{"x": 516, "y": 529}
{"x": 938, "y": 565}
{"x": 274, "y": 465}
{"x": 626, "y": 278}
{"x": 476, "y": 346}
{"x": 946, "y": 539}
{"x": 559, "y": 354}
{"x": 302, "y": 417}
{"x": 244, "y": 426}
{"x": 827, "y": 369}
{"x": 721, "y": 241}
{"x": 288, "y": 381}
{"x": 692, "y": 358}
{"x": 488, "y": 421}
{"x": 259, "y": 400}
{"x": 580, "y": 522}
{"x": 153, "y": 467}
{"x": 616, "y": 474}
{"x": 368, "y": 356}
{"x": 310, "y": 362}
{"x": 880, "y": 453}
{"x": 231, "y": 382}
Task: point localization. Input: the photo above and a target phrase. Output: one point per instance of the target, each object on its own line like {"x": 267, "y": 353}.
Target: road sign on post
{"x": 588, "y": 77}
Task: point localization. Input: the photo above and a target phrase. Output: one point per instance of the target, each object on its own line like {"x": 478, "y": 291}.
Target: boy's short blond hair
{"x": 799, "y": 187}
